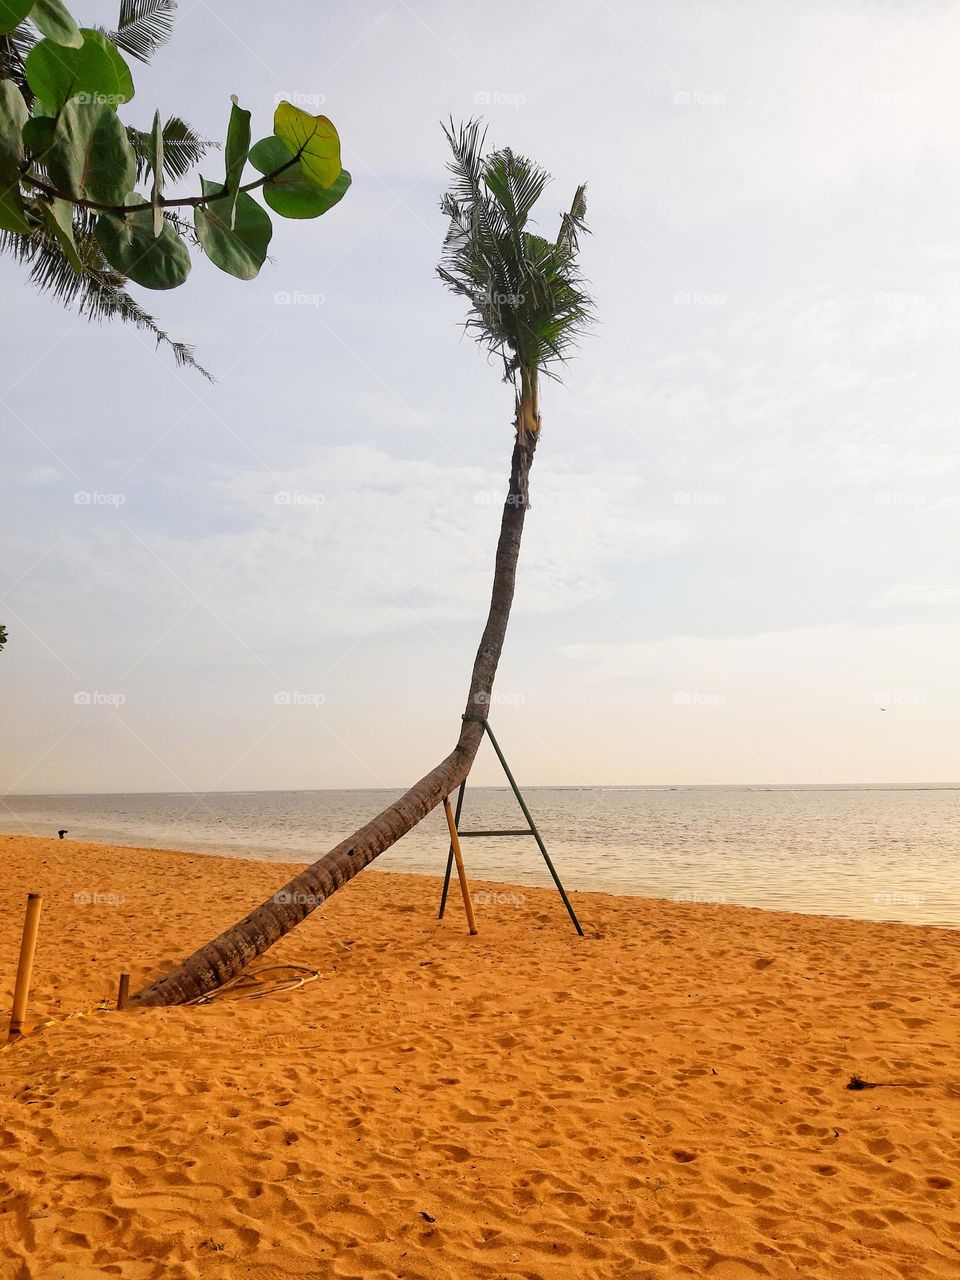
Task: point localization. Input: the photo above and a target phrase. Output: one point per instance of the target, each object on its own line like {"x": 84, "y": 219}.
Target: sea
{"x": 866, "y": 852}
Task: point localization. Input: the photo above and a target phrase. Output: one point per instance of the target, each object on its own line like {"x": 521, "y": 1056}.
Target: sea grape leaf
{"x": 290, "y": 194}
{"x": 95, "y": 73}
{"x": 58, "y": 215}
{"x": 314, "y": 139}
{"x": 131, "y": 245}
{"x": 52, "y": 19}
{"x": 90, "y": 157}
{"x": 237, "y": 244}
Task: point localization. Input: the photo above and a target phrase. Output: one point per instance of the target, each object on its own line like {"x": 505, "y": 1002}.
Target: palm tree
{"x": 528, "y": 306}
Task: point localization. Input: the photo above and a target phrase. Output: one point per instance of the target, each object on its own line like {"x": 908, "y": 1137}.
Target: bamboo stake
{"x": 28, "y": 946}
{"x": 123, "y": 991}
{"x": 461, "y": 873}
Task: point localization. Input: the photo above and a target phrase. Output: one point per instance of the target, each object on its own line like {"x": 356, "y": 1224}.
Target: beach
{"x": 666, "y": 1097}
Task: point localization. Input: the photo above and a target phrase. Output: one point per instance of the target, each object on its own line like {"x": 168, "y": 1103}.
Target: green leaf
{"x": 13, "y": 116}
{"x": 239, "y": 249}
{"x": 95, "y": 73}
{"x": 12, "y": 213}
{"x": 156, "y": 165}
{"x": 52, "y": 19}
{"x": 12, "y": 13}
{"x": 91, "y": 157}
{"x": 38, "y": 135}
{"x": 299, "y": 200}
{"x": 13, "y": 113}
{"x": 133, "y": 248}
{"x": 58, "y": 215}
{"x": 311, "y": 138}
{"x": 290, "y": 194}
{"x": 235, "y": 152}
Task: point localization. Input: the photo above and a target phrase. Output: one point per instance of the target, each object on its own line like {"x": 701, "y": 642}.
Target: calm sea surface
{"x": 877, "y": 853}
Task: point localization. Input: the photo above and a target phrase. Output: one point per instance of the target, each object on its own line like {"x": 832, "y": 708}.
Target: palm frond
{"x": 528, "y": 303}
{"x": 14, "y": 47}
{"x": 142, "y": 26}
{"x": 99, "y": 293}
{"x": 183, "y": 148}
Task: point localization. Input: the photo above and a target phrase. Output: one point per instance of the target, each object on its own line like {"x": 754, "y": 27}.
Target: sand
{"x": 664, "y": 1098}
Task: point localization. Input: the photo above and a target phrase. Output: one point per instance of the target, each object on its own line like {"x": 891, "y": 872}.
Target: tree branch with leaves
{"x": 70, "y": 168}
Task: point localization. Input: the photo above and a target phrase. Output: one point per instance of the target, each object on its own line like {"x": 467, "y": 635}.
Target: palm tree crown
{"x": 527, "y": 300}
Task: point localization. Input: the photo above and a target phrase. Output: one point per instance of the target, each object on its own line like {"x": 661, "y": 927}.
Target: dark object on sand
{"x": 857, "y": 1083}
{"x": 62, "y": 832}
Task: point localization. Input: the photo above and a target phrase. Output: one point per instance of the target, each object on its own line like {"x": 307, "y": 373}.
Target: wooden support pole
{"x": 28, "y": 947}
{"x": 123, "y": 990}
{"x": 461, "y": 873}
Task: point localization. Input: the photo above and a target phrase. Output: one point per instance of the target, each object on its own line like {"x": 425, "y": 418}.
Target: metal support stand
{"x": 529, "y": 830}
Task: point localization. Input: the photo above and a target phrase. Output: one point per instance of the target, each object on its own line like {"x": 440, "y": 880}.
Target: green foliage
{"x": 134, "y": 249}
{"x": 527, "y": 299}
{"x": 313, "y": 139}
{"x": 13, "y": 115}
{"x": 290, "y": 193}
{"x": 90, "y": 158}
{"x": 51, "y": 18}
{"x": 94, "y": 73}
{"x": 143, "y": 25}
{"x": 69, "y": 166}
{"x": 58, "y": 215}
{"x": 12, "y": 13}
{"x": 234, "y": 232}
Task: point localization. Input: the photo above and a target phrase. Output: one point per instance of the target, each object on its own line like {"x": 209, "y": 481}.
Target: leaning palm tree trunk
{"x": 527, "y": 306}
{"x": 226, "y": 955}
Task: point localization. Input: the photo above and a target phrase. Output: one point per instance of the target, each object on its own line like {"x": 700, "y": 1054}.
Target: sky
{"x": 741, "y": 561}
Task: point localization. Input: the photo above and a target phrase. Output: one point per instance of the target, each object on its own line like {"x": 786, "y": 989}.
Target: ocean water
{"x": 876, "y": 853}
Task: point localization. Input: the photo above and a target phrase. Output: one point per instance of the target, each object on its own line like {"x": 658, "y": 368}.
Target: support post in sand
{"x": 461, "y": 873}
{"x": 28, "y": 947}
{"x": 123, "y": 991}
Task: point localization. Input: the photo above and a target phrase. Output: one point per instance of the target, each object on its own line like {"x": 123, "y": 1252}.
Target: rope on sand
{"x": 248, "y": 986}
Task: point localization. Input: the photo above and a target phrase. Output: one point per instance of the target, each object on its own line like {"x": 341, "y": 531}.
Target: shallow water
{"x": 877, "y": 853}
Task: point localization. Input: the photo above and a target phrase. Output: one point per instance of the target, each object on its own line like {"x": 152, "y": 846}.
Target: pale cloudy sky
{"x": 744, "y": 535}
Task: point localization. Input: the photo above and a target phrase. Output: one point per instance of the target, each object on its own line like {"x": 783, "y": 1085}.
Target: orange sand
{"x": 665, "y": 1098}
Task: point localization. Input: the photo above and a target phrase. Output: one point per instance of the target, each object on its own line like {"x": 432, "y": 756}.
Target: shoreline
{"x": 664, "y": 1098}
{"x": 277, "y": 859}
